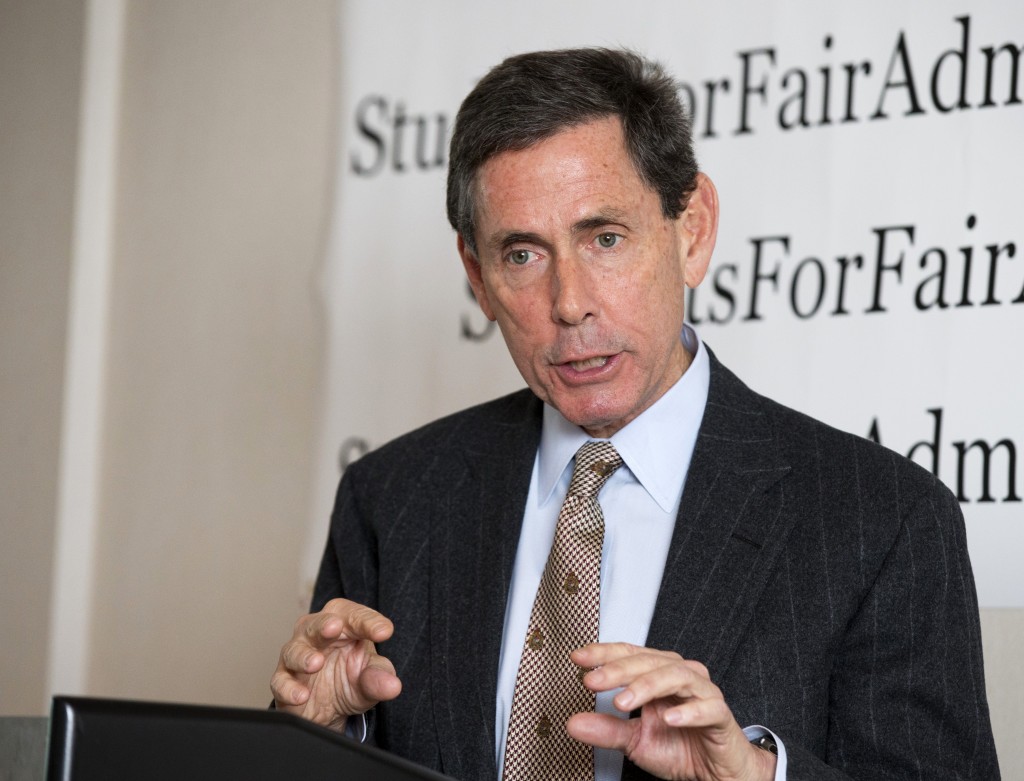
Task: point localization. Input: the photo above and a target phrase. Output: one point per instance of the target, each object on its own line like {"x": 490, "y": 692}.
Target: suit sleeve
{"x": 907, "y": 691}
{"x": 349, "y": 565}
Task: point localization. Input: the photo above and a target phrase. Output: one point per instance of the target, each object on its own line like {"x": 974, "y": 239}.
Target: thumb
{"x": 378, "y": 681}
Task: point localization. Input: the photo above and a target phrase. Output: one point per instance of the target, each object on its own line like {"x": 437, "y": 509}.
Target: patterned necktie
{"x": 549, "y": 687}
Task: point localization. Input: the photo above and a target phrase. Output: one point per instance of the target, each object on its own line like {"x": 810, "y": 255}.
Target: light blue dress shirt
{"x": 639, "y": 502}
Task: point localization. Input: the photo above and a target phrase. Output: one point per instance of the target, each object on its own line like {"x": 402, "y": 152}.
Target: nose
{"x": 573, "y": 300}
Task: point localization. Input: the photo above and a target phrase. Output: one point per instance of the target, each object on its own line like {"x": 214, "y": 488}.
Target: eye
{"x": 608, "y": 240}
{"x": 520, "y": 257}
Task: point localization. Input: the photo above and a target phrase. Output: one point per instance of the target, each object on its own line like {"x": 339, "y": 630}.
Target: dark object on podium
{"x": 117, "y": 739}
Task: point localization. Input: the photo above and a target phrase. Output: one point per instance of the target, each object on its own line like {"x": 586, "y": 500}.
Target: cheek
{"x": 660, "y": 315}
{"x": 524, "y": 328}
{"x": 519, "y": 311}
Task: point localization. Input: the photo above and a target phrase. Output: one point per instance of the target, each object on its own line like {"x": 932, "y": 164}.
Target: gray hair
{"x": 531, "y": 97}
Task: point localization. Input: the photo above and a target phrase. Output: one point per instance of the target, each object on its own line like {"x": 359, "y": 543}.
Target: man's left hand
{"x": 685, "y": 730}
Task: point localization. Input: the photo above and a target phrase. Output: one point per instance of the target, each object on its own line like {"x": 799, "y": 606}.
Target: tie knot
{"x": 595, "y": 462}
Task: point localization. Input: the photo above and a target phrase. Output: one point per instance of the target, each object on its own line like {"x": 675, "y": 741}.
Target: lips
{"x": 584, "y": 371}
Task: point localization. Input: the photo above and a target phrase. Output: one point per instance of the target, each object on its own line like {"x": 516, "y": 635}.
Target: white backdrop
{"x": 870, "y": 261}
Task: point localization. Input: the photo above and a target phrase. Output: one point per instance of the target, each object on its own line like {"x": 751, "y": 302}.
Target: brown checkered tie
{"x": 565, "y": 616}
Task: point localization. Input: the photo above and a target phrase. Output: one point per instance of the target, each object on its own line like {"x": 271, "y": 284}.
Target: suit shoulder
{"x": 811, "y": 445}
{"x": 821, "y": 442}
{"x": 478, "y": 428}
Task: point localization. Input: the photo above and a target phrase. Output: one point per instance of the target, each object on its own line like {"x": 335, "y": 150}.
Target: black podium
{"x": 118, "y": 739}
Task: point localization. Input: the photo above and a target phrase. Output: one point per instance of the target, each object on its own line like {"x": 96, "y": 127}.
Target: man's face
{"x": 585, "y": 275}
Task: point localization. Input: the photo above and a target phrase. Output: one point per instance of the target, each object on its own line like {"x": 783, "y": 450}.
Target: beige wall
{"x": 214, "y": 347}
{"x": 223, "y": 189}
{"x": 40, "y": 61}
{"x": 1002, "y": 633}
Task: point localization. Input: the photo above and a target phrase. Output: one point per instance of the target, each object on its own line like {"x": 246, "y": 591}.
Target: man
{"x": 806, "y": 582}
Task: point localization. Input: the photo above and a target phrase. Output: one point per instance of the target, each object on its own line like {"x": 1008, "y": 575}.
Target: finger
{"x": 619, "y": 669}
{"x": 596, "y": 654}
{"x": 645, "y": 678}
{"x": 286, "y": 690}
{"x": 670, "y": 680}
{"x": 342, "y": 618}
{"x": 601, "y": 730}
{"x": 699, "y": 713}
{"x": 298, "y": 656}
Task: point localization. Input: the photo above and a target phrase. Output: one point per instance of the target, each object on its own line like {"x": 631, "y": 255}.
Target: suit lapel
{"x": 473, "y": 548}
{"x": 729, "y": 530}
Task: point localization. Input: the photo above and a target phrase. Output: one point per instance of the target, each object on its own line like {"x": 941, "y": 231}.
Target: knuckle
{"x": 699, "y": 668}
{"x": 288, "y": 657}
{"x": 620, "y": 650}
{"x": 641, "y": 688}
{"x": 360, "y": 614}
{"x": 336, "y": 605}
{"x": 314, "y": 626}
{"x": 279, "y": 684}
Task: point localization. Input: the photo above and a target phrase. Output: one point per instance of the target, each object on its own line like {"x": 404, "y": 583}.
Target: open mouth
{"x": 590, "y": 363}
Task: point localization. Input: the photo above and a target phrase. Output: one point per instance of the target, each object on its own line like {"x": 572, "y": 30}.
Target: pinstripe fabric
{"x": 822, "y": 579}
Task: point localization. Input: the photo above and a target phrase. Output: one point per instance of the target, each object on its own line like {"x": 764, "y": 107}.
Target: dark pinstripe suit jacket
{"x": 822, "y": 579}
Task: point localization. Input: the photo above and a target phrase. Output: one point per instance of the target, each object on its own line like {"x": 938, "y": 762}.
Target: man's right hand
{"x": 330, "y": 669}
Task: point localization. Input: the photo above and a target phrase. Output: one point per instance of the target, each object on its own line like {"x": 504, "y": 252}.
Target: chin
{"x": 595, "y": 419}
{"x": 591, "y": 410}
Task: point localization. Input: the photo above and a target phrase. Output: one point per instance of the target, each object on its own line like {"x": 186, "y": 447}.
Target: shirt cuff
{"x": 757, "y": 731}
{"x": 352, "y": 731}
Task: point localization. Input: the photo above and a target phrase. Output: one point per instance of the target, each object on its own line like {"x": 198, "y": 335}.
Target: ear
{"x": 476, "y": 277}
{"x": 698, "y": 229}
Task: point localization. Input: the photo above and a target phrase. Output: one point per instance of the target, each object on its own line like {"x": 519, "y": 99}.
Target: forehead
{"x": 569, "y": 176}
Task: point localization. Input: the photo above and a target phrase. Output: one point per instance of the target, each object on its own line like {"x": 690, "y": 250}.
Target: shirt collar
{"x": 658, "y": 462}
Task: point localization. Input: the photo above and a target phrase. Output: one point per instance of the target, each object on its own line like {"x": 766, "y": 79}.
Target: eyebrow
{"x": 499, "y": 240}
{"x": 602, "y": 218}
